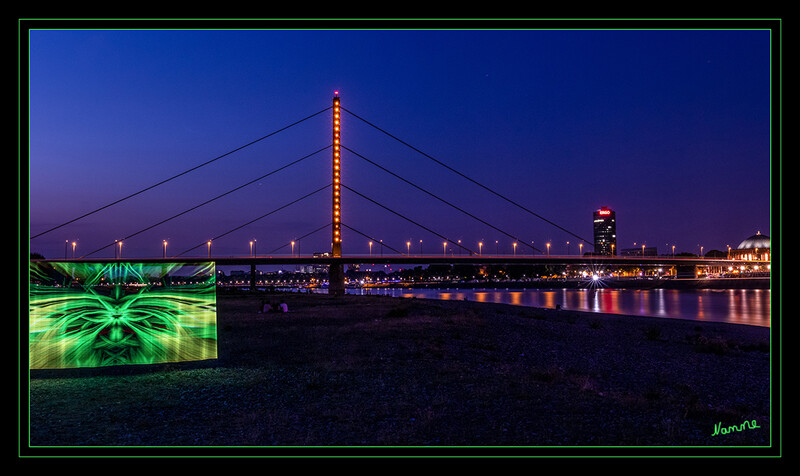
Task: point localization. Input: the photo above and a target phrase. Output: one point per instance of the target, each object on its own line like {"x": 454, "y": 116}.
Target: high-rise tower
{"x": 605, "y": 232}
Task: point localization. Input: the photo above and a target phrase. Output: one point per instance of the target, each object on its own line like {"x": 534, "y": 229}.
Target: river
{"x": 736, "y": 306}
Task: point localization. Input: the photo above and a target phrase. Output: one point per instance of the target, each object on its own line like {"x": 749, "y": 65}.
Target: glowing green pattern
{"x": 102, "y": 314}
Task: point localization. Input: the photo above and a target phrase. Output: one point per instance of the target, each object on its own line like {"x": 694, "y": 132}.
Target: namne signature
{"x": 745, "y": 425}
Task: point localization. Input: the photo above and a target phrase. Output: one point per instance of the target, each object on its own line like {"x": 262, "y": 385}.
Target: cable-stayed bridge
{"x": 450, "y": 250}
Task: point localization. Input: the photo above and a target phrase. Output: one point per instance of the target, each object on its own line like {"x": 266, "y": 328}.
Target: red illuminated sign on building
{"x": 604, "y": 212}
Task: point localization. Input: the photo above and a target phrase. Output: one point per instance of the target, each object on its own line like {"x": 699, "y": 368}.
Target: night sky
{"x": 671, "y": 129}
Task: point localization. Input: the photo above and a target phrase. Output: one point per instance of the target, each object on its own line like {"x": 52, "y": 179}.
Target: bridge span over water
{"x": 435, "y": 260}
{"x": 680, "y": 267}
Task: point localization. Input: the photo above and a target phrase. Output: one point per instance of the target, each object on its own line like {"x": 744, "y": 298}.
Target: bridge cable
{"x": 375, "y": 240}
{"x": 300, "y": 238}
{"x": 412, "y": 221}
{"x": 442, "y": 200}
{"x": 470, "y": 179}
{"x": 207, "y": 201}
{"x": 258, "y": 218}
{"x": 180, "y": 174}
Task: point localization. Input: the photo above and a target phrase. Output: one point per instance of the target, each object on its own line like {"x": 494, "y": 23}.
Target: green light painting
{"x": 103, "y": 314}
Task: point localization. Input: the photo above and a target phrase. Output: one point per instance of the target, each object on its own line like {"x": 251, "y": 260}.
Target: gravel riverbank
{"x": 368, "y": 373}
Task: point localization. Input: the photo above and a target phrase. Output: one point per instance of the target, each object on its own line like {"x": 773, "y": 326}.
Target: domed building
{"x": 754, "y": 248}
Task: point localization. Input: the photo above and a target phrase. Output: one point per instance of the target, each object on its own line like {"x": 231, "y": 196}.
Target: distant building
{"x": 754, "y": 248}
{"x": 318, "y": 268}
{"x": 605, "y": 232}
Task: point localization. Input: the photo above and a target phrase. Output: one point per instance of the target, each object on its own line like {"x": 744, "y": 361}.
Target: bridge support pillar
{"x": 686, "y": 272}
{"x": 252, "y": 277}
{"x": 336, "y": 270}
{"x": 336, "y": 280}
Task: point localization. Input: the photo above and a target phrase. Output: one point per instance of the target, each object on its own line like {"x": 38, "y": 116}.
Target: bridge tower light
{"x": 336, "y": 277}
{"x": 336, "y": 202}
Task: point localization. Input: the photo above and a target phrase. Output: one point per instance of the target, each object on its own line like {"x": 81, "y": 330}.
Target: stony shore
{"x": 370, "y": 373}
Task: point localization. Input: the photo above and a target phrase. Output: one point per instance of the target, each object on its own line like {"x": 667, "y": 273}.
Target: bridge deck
{"x": 432, "y": 259}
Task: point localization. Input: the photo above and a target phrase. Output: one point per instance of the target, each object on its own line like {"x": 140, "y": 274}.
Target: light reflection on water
{"x": 737, "y": 306}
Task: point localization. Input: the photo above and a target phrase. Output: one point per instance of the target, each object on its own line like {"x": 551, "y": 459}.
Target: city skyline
{"x": 670, "y": 129}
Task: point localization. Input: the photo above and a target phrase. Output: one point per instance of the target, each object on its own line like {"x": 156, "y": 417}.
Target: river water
{"x": 736, "y": 306}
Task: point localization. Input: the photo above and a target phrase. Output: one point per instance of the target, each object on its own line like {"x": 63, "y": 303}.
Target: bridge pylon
{"x": 336, "y": 271}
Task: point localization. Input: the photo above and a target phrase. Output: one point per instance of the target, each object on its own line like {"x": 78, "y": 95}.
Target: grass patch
{"x": 398, "y": 312}
{"x": 652, "y": 332}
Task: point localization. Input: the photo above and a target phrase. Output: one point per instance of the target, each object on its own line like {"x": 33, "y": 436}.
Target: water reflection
{"x": 738, "y": 306}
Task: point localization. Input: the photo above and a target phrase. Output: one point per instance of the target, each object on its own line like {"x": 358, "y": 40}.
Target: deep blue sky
{"x": 671, "y": 129}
